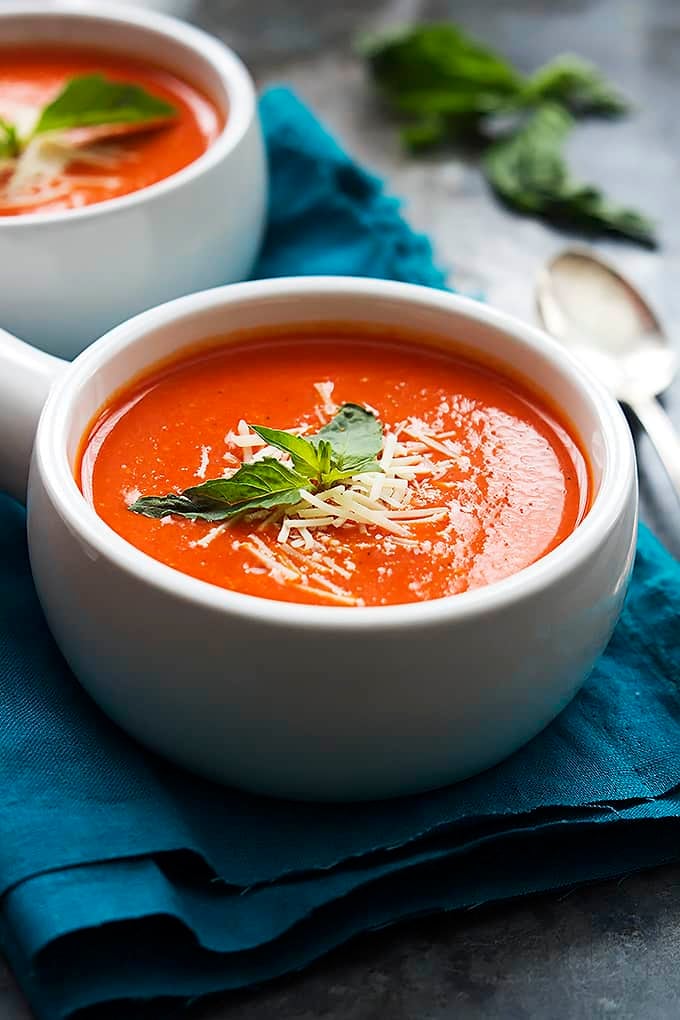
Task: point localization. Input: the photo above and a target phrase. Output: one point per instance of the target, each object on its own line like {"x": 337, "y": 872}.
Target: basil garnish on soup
{"x": 343, "y": 449}
{"x": 74, "y": 128}
{"x": 78, "y": 128}
{"x": 349, "y": 472}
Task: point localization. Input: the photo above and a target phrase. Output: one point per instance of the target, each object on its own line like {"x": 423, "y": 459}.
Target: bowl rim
{"x": 206, "y": 48}
{"x": 50, "y": 460}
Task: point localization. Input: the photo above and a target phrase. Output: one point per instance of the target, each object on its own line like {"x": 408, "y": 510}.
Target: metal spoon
{"x": 592, "y": 309}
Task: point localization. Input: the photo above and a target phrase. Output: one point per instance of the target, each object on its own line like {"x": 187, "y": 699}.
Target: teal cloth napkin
{"x": 130, "y": 882}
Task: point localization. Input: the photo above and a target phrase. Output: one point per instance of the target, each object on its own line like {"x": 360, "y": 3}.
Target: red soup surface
{"x": 30, "y": 78}
{"x": 480, "y": 477}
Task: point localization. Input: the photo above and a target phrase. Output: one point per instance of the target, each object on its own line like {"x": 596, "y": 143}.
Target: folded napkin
{"x": 127, "y": 880}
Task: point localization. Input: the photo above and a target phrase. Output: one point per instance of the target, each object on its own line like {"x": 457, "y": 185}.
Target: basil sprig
{"x": 446, "y": 86}
{"x": 348, "y": 445}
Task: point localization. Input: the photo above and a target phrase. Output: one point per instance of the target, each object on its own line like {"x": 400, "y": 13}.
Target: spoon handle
{"x": 662, "y": 433}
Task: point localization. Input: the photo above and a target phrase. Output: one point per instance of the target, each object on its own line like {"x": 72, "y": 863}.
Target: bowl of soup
{"x": 132, "y": 167}
{"x": 325, "y": 538}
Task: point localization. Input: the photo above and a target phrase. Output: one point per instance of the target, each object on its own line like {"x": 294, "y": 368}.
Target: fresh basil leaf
{"x": 174, "y": 503}
{"x": 256, "y": 486}
{"x": 576, "y": 84}
{"x": 528, "y": 170}
{"x": 353, "y": 432}
{"x": 436, "y": 69}
{"x": 9, "y": 140}
{"x": 528, "y": 166}
{"x": 304, "y": 454}
{"x": 92, "y": 99}
{"x": 265, "y": 483}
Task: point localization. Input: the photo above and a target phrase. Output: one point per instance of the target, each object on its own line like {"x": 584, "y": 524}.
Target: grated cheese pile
{"x": 40, "y": 172}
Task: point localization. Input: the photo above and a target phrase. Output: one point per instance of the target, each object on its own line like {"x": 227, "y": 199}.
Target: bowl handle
{"x": 26, "y": 375}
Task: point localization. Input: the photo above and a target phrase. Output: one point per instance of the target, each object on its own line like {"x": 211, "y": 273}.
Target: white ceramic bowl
{"x": 67, "y": 277}
{"x": 315, "y": 701}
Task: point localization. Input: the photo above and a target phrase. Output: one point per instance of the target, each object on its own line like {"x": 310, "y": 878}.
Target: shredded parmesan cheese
{"x": 39, "y": 173}
{"x": 279, "y": 570}
{"x": 325, "y": 391}
{"x": 210, "y": 536}
{"x": 205, "y": 460}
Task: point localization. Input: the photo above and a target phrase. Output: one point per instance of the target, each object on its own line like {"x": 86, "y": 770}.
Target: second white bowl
{"x": 67, "y": 277}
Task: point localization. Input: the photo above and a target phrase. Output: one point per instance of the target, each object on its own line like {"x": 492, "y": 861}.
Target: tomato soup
{"x": 478, "y": 477}
{"x": 31, "y": 78}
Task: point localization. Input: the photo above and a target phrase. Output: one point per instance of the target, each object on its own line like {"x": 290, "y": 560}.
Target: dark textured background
{"x": 612, "y": 950}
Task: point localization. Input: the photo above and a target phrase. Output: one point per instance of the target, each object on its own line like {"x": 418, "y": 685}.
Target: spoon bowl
{"x": 600, "y": 316}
